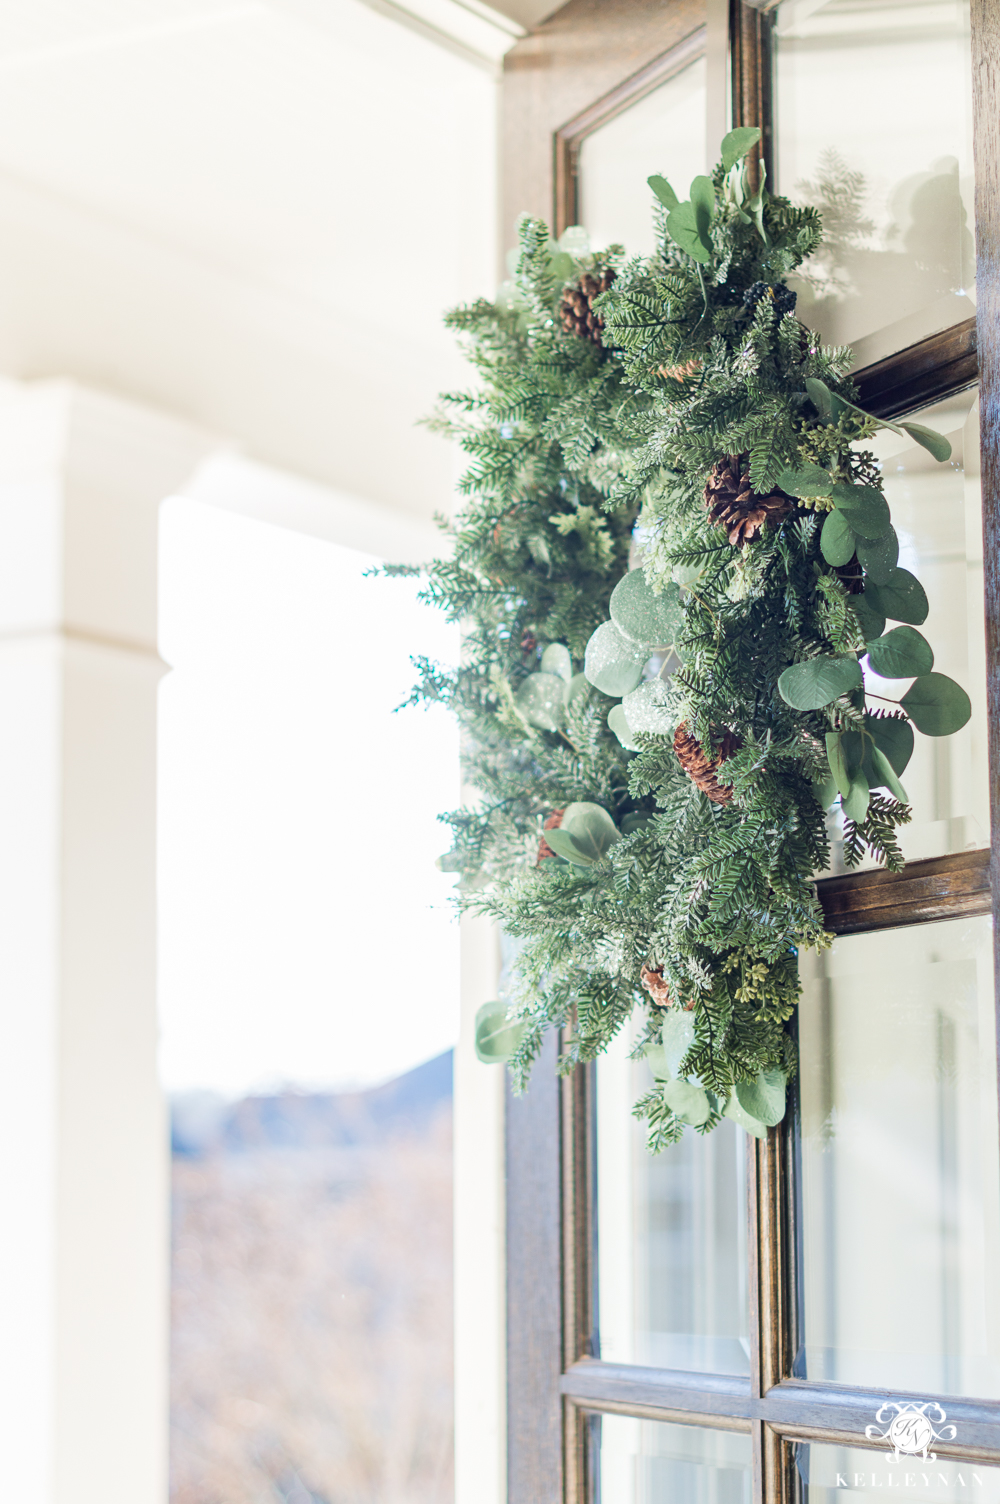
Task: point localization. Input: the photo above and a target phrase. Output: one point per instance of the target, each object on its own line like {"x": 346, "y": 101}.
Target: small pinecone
{"x": 552, "y": 823}
{"x": 851, "y": 576}
{"x": 651, "y": 978}
{"x": 699, "y": 767}
{"x": 529, "y": 642}
{"x": 577, "y": 306}
{"x": 733, "y": 503}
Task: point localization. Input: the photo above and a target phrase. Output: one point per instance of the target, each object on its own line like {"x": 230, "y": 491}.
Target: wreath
{"x": 658, "y": 750}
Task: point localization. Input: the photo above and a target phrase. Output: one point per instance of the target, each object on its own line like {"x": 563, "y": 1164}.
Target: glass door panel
{"x": 899, "y": 1168}
{"x": 832, "y": 1473}
{"x": 656, "y": 1462}
{"x": 663, "y": 132}
{"x": 671, "y": 1235}
{"x": 873, "y": 125}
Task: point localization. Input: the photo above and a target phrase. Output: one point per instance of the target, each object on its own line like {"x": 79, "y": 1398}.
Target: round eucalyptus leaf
{"x": 688, "y": 1102}
{"x": 764, "y": 1098}
{"x": 744, "y": 1119}
{"x": 496, "y": 1036}
{"x": 634, "y": 821}
{"x": 901, "y": 654}
{"x": 808, "y": 480}
{"x": 612, "y": 663}
{"x": 619, "y": 725}
{"x": 826, "y": 791}
{"x": 648, "y": 709}
{"x": 878, "y": 557}
{"x": 541, "y": 699}
{"x": 884, "y": 776}
{"x": 872, "y": 622}
{"x": 591, "y": 827}
{"x": 644, "y": 616}
{"x": 818, "y": 681}
{"x": 858, "y": 798}
{"x": 678, "y": 1037}
{"x": 901, "y": 598}
{"x": 563, "y": 844}
{"x": 937, "y": 705}
{"x": 865, "y": 508}
{"x": 935, "y": 443}
{"x": 657, "y": 1061}
{"x": 837, "y": 541}
{"x": 894, "y": 736}
{"x": 556, "y": 660}
{"x": 577, "y": 686}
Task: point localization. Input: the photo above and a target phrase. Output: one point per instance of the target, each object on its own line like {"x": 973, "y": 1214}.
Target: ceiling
{"x": 251, "y": 213}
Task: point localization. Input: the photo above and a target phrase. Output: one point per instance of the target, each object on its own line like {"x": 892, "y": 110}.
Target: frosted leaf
{"x": 643, "y": 615}
{"x": 650, "y": 708}
{"x": 556, "y": 660}
{"x": 541, "y": 699}
{"x": 619, "y": 725}
{"x": 612, "y": 664}
{"x": 575, "y": 240}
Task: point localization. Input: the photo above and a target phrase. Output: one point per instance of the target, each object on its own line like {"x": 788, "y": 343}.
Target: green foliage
{"x": 621, "y": 885}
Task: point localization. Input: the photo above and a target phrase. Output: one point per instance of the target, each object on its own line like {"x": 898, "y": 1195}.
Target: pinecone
{"x": 552, "y": 823}
{"x": 577, "y": 306}
{"x": 699, "y": 767}
{"x": 851, "y": 575}
{"x": 733, "y": 503}
{"x": 651, "y": 978}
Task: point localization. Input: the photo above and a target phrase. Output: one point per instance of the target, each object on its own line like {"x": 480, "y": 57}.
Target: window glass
{"x": 873, "y": 125}
{"x": 671, "y": 1235}
{"x": 937, "y": 514}
{"x": 831, "y": 1473}
{"x": 899, "y": 1172}
{"x": 654, "y": 1462}
{"x": 664, "y": 132}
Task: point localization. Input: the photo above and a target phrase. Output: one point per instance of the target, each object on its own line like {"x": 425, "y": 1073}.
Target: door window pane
{"x": 873, "y": 124}
{"x": 671, "y": 1235}
{"x": 655, "y": 1462}
{"x": 899, "y": 1161}
{"x": 664, "y": 132}
{"x": 937, "y": 514}
{"x": 831, "y": 1474}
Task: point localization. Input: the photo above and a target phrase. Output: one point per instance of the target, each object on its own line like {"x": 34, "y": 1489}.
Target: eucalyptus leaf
{"x": 591, "y": 827}
{"x": 872, "y": 622}
{"x": 901, "y": 654}
{"x": 682, "y": 227}
{"x": 935, "y": 443}
{"x": 865, "y": 508}
{"x": 556, "y": 660}
{"x": 703, "y": 202}
{"x": 578, "y": 686}
{"x": 819, "y": 681}
{"x": 650, "y": 708}
{"x": 764, "y": 1098}
{"x": 821, "y": 397}
{"x": 565, "y": 845}
{"x": 688, "y": 1102}
{"x": 838, "y": 762}
{"x": 612, "y": 663}
{"x": 620, "y": 726}
{"x": 937, "y": 705}
{"x": 744, "y": 1120}
{"x": 678, "y": 1037}
{"x": 858, "y": 798}
{"x": 663, "y": 191}
{"x": 645, "y": 616}
{"x": 656, "y": 1059}
{"x": 755, "y": 206}
{"x": 541, "y": 699}
{"x": 808, "y": 480}
{"x": 826, "y": 791}
{"x": 737, "y": 143}
{"x": 837, "y": 541}
{"x": 901, "y": 598}
{"x": 885, "y": 775}
{"x": 634, "y": 821}
{"x": 879, "y": 556}
{"x": 562, "y": 266}
{"x": 496, "y": 1036}
{"x": 893, "y": 736}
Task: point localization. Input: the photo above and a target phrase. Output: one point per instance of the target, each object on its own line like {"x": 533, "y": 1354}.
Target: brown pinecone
{"x": 552, "y": 823}
{"x": 733, "y": 503}
{"x": 577, "y": 306}
{"x": 699, "y": 767}
{"x": 851, "y": 575}
{"x": 651, "y": 978}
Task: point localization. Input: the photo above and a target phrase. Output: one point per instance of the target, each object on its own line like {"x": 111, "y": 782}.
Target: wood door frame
{"x": 774, "y": 1407}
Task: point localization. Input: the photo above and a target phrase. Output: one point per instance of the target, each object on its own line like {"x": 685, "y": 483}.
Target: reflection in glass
{"x": 899, "y": 1161}
{"x": 873, "y": 125}
{"x": 664, "y": 132}
{"x": 671, "y": 1235}
{"x": 833, "y": 1474}
{"x": 654, "y": 1462}
{"x": 937, "y": 515}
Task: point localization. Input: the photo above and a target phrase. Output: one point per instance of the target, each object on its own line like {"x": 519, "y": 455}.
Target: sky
{"x": 306, "y": 937}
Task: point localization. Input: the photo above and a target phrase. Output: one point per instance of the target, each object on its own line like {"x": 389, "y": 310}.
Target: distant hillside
{"x": 202, "y": 1124}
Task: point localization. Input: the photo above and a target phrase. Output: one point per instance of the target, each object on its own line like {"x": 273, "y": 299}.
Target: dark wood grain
{"x": 750, "y": 52}
{"x": 579, "y": 1266}
{"x": 986, "y": 128}
{"x": 943, "y": 887}
{"x": 569, "y": 137}
{"x": 922, "y": 373}
{"x": 534, "y": 1267}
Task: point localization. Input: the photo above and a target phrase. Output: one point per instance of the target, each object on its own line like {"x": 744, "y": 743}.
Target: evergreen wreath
{"x": 656, "y": 748}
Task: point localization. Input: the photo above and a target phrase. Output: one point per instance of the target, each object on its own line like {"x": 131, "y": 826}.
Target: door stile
{"x": 579, "y": 1282}
{"x": 751, "y": 66}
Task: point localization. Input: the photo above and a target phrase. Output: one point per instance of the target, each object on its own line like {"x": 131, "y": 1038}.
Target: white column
{"x": 83, "y": 1141}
